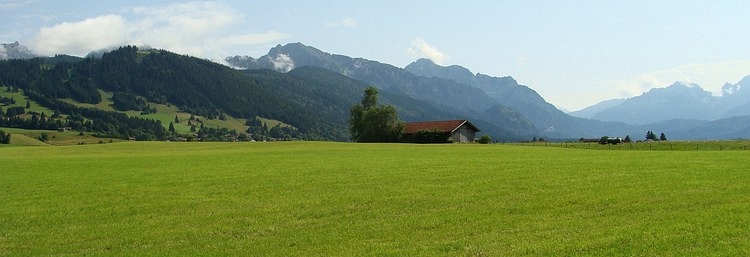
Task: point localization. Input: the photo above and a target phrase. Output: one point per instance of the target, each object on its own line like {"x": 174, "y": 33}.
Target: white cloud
{"x": 81, "y": 37}
{"x": 420, "y": 48}
{"x": 14, "y": 4}
{"x": 710, "y": 76}
{"x": 282, "y": 63}
{"x": 3, "y": 53}
{"x": 346, "y": 22}
{"x": 204, "y": 29}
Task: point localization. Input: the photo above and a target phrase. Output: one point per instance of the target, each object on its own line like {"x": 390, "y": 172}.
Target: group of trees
{"x": 7, "y": 101}
{"x": 651, "y": 136}
{"x": 370, "y": 122}
{"x": 126, "y": 101}
{"x": 4, "y": 137}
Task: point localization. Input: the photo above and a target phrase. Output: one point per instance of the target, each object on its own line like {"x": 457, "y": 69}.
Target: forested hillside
{"x": 136, "y": 77}
{"x": 312, "y": 103}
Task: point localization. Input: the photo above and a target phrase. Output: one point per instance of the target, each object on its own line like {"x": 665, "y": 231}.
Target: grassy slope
{"x": 21, "y": 101}
{"x": 166, "y": 114}
{"x": 341, "y": 199}
{"x": 28, "y": 137}
{"x": 22, "y": 140}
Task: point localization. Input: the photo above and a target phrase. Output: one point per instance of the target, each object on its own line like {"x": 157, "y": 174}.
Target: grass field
{"x": 702, "y": 145}
{"x": 28, "y": 137}
{"x": 345, "y": 199}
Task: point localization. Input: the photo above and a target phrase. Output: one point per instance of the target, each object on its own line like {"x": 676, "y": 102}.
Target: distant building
{"x": 457, "y": 131}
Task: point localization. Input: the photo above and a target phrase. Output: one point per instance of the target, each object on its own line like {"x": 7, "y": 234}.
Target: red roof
{"x": 446, "y": 125}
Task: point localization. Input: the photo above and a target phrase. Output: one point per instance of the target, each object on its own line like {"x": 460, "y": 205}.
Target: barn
{"x": 457, "y": 131}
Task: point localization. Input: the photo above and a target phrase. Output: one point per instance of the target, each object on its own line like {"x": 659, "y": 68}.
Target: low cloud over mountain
{"x": 15, "y": 51}
{"x": 203, "y": 29}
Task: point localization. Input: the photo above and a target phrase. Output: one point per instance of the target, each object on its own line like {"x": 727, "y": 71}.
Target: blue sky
{"x": 574, "y": 53}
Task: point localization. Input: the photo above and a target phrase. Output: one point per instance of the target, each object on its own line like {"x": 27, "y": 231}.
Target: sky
{"x": 573, "y": 53}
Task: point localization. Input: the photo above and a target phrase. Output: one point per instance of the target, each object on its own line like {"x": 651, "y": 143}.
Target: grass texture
{"x": 345, "y": 199}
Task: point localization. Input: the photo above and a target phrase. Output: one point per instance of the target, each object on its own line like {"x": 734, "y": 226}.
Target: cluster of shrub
{"x": 258, "y": 130}
{"x": 128, "y": 101}
{"x": 4, "y": 137}
{"x": 5, "y": 101}
{"x": 651, "y": 136}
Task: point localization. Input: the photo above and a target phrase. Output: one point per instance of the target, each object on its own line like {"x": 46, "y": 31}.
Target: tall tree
{"x": 4, "y": 137}
{"x": 663, "y": 137}
{"x": 370, "y": 122}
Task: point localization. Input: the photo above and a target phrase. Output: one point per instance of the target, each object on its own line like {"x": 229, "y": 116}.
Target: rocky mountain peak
{"x": 15, "y": 50}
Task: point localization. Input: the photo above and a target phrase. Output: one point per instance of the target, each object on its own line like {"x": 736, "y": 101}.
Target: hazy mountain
{"x": 591, "y": 111}
{"x": 736, "y": 98}
{"x": 675, "y": 102}
{"x": 682, "y": 111}
{"x": 678, "y": 101}
{"x": 722, "y": 129}
{"x": 507, "y": 92}
{"x": 15, "y": 51}
{"x": 741, "y": 110}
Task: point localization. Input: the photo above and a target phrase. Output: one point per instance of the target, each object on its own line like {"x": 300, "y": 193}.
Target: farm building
{"x": 457, "y": 131}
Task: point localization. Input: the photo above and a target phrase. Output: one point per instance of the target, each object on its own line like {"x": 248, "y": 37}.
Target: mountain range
{"x": 495, "y": 101}
{"x": 686, "y": 110}
{"x": 683, "y": 111}
{"x": 312, "y": 91}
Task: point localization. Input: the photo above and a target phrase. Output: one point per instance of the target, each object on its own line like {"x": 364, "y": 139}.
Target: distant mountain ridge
{"x": 677, "y": 101}
{"x": 449, "y": 96}
{"x": 590, "y": 111}
{"x": 507, "y": 92}
{"x": 498, "y": 101}
{"x": 683, "y": 111}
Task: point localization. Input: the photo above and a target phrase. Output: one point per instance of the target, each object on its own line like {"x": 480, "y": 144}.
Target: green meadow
{"x": 346, "y": 199}
{"x": 696, "y": 145}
